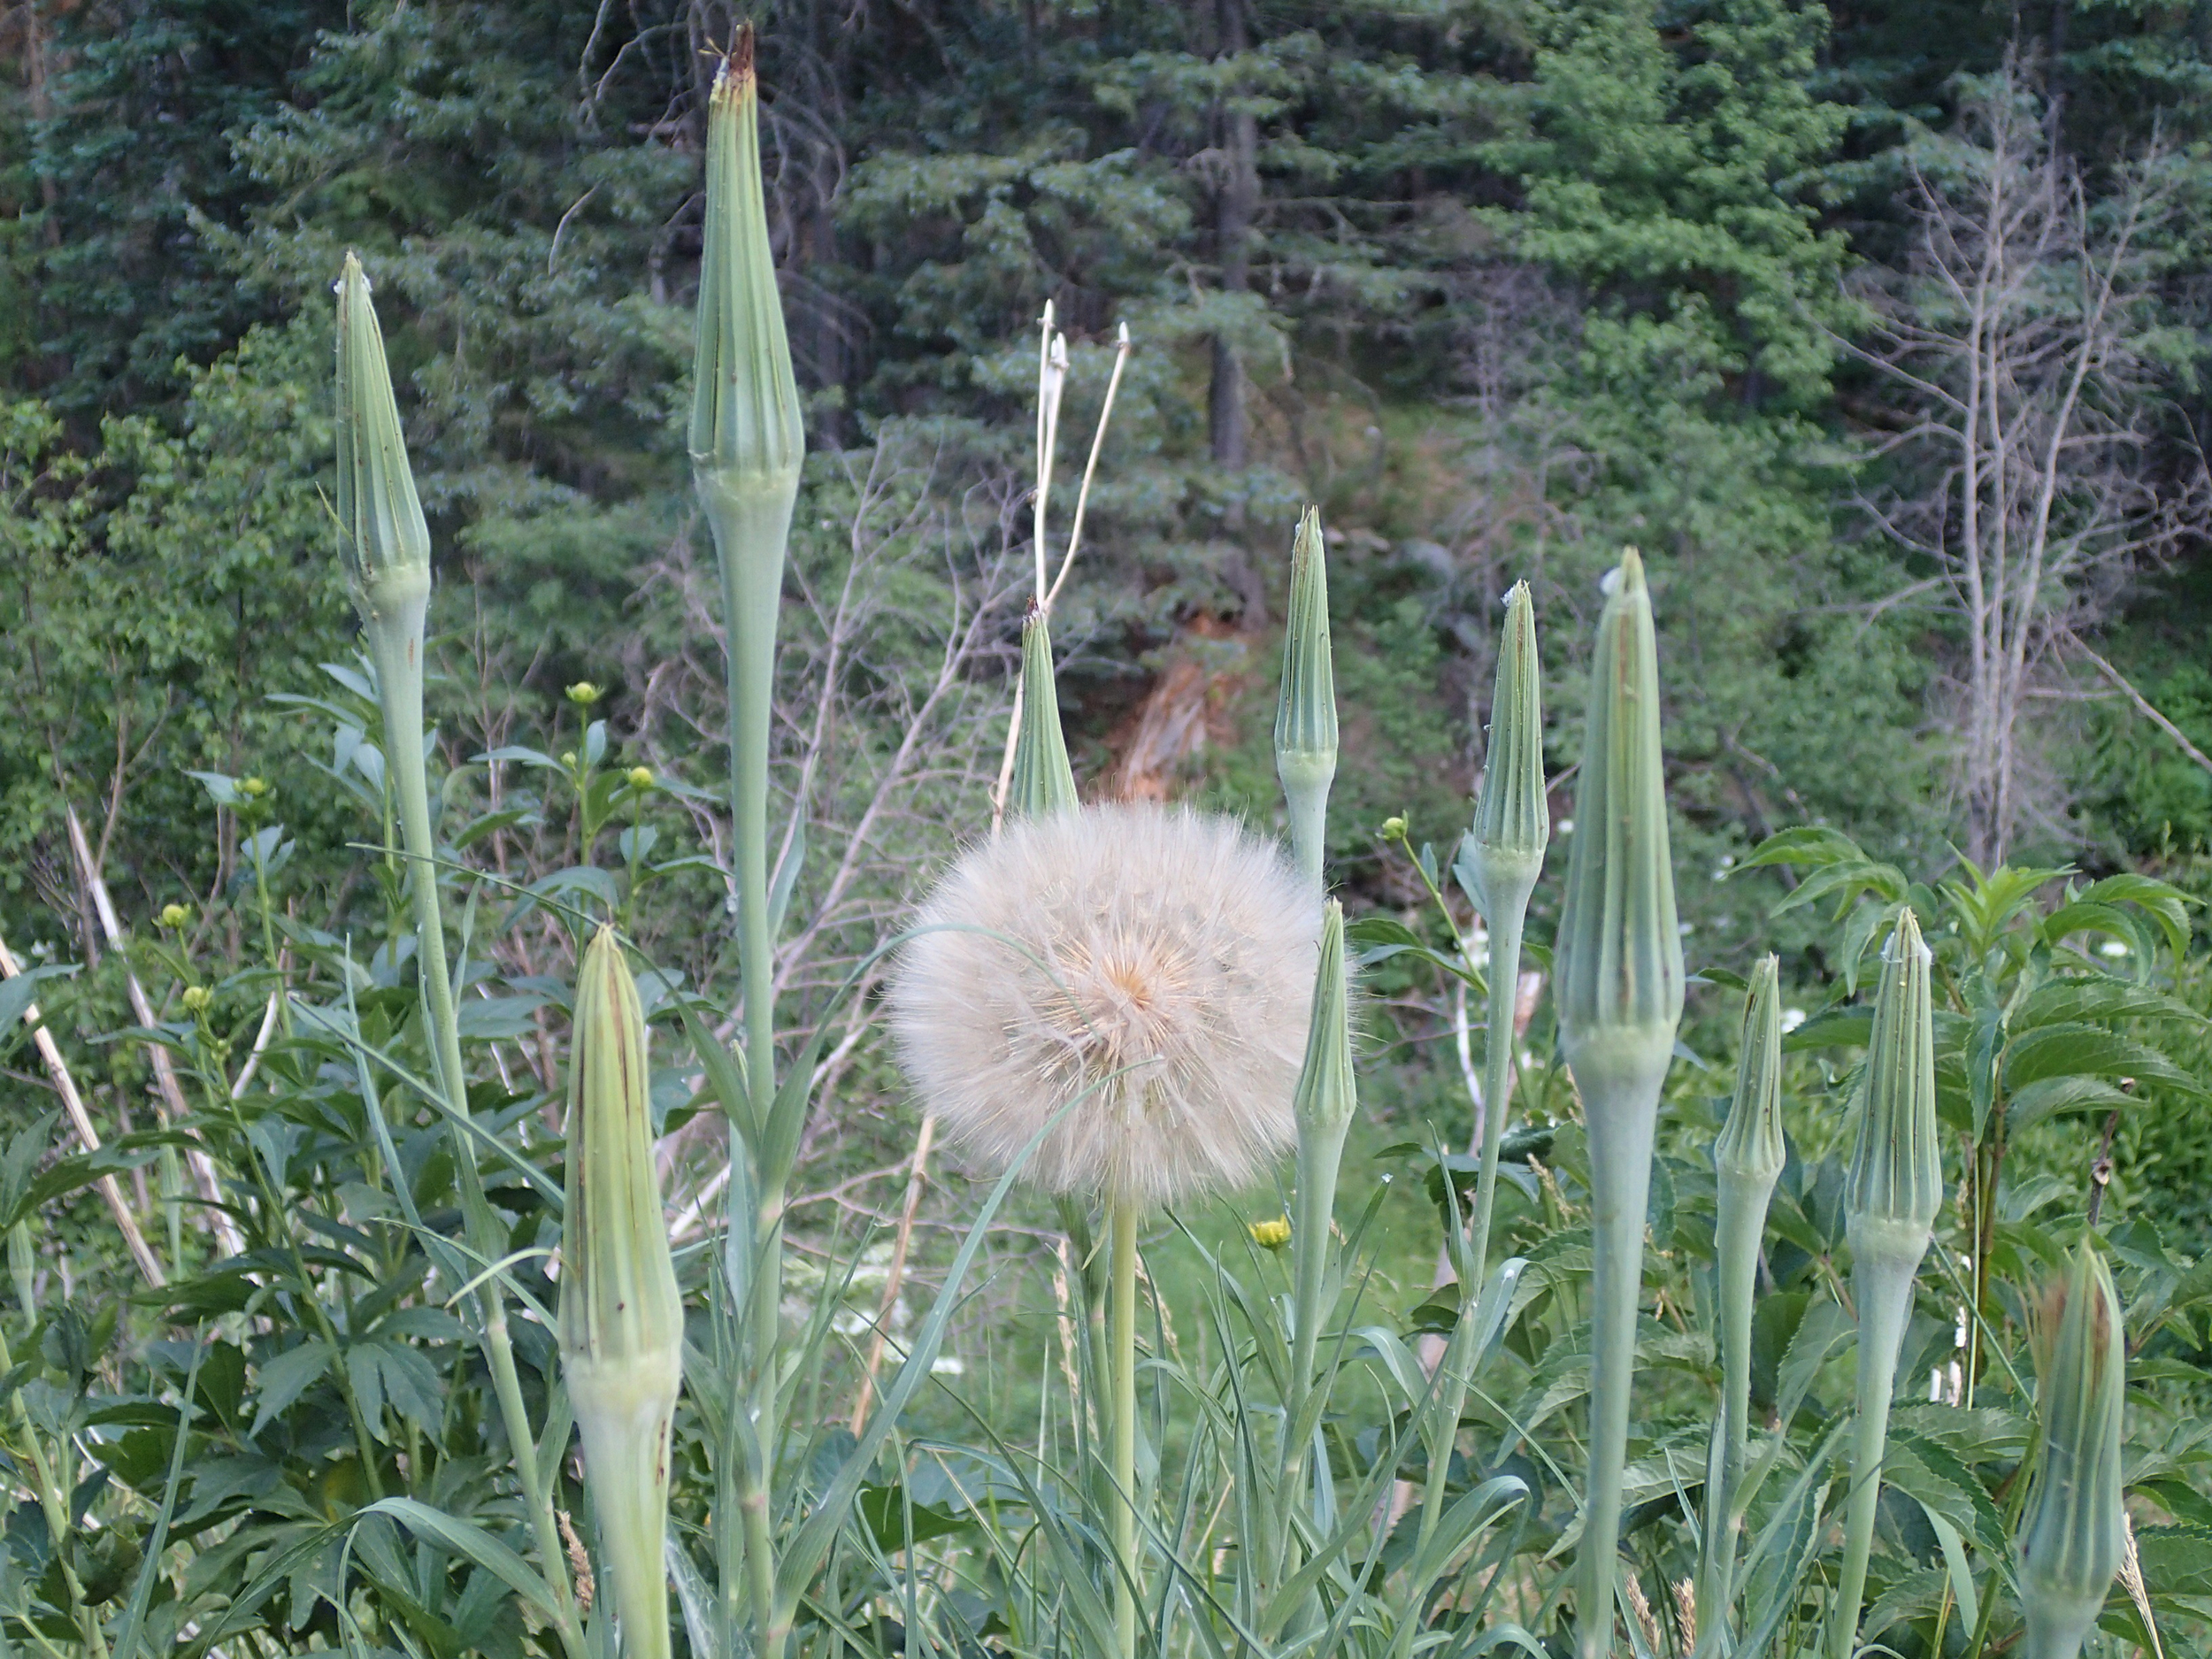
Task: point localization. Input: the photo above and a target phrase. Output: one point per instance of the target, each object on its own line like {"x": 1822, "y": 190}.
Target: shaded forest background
{"x": 1501, "y": 286}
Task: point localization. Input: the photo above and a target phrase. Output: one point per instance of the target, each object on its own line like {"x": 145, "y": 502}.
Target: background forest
{"x": 1880, "y": 328}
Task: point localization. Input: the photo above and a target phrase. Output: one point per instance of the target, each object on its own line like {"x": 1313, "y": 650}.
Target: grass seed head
{"x": 1152, "y": 967}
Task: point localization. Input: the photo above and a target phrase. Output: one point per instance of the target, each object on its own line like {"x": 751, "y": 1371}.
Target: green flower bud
{"x": 583, "y": 694}
{"x": 1512, "y": 817}
{"x": 1894, "y": 1186}
{"x": 174, "y": 916}
{"x": 1042, "y": 781}
{"x": 385, "y": 543}
{"x": 1618, "y": 987}
{"x": 2073, "y": 1532}
{"x": 622, "y": 1320}
{"x": 1305, "y": 716}
{"x": 1325, "y": 1101}
{"x": 1619, "y": 950}
{"x": 1327, "y": 1096}
{"x": 1891, "y": 1194}
{"x": 640, "y": 778}
{"x": 196, "y": 999}
{"x": 746, "y": 432}
{"x": 1748, "y": 1160}
{"x": 1750, "y": 1152}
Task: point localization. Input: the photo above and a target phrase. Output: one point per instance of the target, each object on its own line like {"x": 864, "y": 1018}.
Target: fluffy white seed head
{"x": 1156, "y": 963}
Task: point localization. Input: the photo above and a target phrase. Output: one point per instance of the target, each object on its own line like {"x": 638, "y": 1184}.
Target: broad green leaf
{"x": 284, "y": 1379}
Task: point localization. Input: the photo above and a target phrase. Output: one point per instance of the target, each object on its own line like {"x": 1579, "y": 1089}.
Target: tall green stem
{"x": 1883, "y": 1284}
{"x": 1124, "y": 1453}
{"x": 1497, "y": 1080}
{"x": 1619, "y": 1081}
{"x": 396, "y": 642}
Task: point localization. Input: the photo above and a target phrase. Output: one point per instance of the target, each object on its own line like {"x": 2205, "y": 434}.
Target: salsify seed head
{"x": 1142, "y": 974}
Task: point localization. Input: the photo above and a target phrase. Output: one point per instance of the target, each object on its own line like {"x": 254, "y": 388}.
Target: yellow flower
{"x": 1271, "y": 1235}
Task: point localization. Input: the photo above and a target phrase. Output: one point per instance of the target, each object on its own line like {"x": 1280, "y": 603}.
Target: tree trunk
{"x": 1232, "y": 228}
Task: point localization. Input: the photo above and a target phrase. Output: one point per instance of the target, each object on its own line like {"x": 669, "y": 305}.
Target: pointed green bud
{"x": 622, "y": 1319}
{"x": 384, "y": 542}
{"x": 745, "y": 426}
{"x": 1042, "y": 780}
{"x": 1324, "y": 1104}
{"x": 1512, "y": 817}
{"x": 1305, "y": 719}
{"x": 1618, "y": 987}
{"x": 1750, "y": 1150}
{"x": 1327, "y": 1096}
{"x": 2073, "y": 1534}
{"x": 1620, "y": 948}
{"x": 1748, "y": 1160}
{"x": 1891, "y": 1194}
{"x": 1894, "y": 1186}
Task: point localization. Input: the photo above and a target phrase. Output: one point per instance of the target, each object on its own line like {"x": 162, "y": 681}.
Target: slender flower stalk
{"x": 1505, "y": 848}
{"x": 1746, "y": 1162}
{"x": 1890, "y": 1195}
{"x": 1618, "y": 991}
{"x": 1042, "y": 780}
{"x": 2074, "y": 1533}
{"x": 622, "y": 1318}
{"x": 1305, "y": 719}
{"x": 384, "y": 545}
{"x": 747, "y": 444}
{"x": 1326, "y": 1100}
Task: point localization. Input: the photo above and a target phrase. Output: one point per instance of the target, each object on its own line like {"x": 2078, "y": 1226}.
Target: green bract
{"x": 1305, "y": 716}
{"x": 622, "y": 1319}
{"x": 2073, "y": 1532}
{"x": 1618, "y": 990}
{"x": 1042, "y": 780}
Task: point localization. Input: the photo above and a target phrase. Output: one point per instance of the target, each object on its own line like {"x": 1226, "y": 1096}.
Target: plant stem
{"x": 1883, "y": 1286}
{"x": 1619, "y": 1075}
{"x": 396, "y": 643}
{"x": 1497, "y": 1080}
{"x": 1124, "y": 1466}
{"x": 1740, "y": 1224}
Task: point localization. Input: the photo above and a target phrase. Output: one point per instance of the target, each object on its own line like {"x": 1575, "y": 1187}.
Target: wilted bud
{"x": 385, "y": 543}
{"x": 622, "y": 1320}
{"x": 1305, "y": 717}
{"x": 1512, "y": 818}
{"x": 2073, "y": 1532}
{"x": 1895, "y": 1183}
{"x": 1042, "y": 781}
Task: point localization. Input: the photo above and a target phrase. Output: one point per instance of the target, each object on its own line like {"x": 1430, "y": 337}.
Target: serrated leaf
{"x": 284, "y": 1379}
